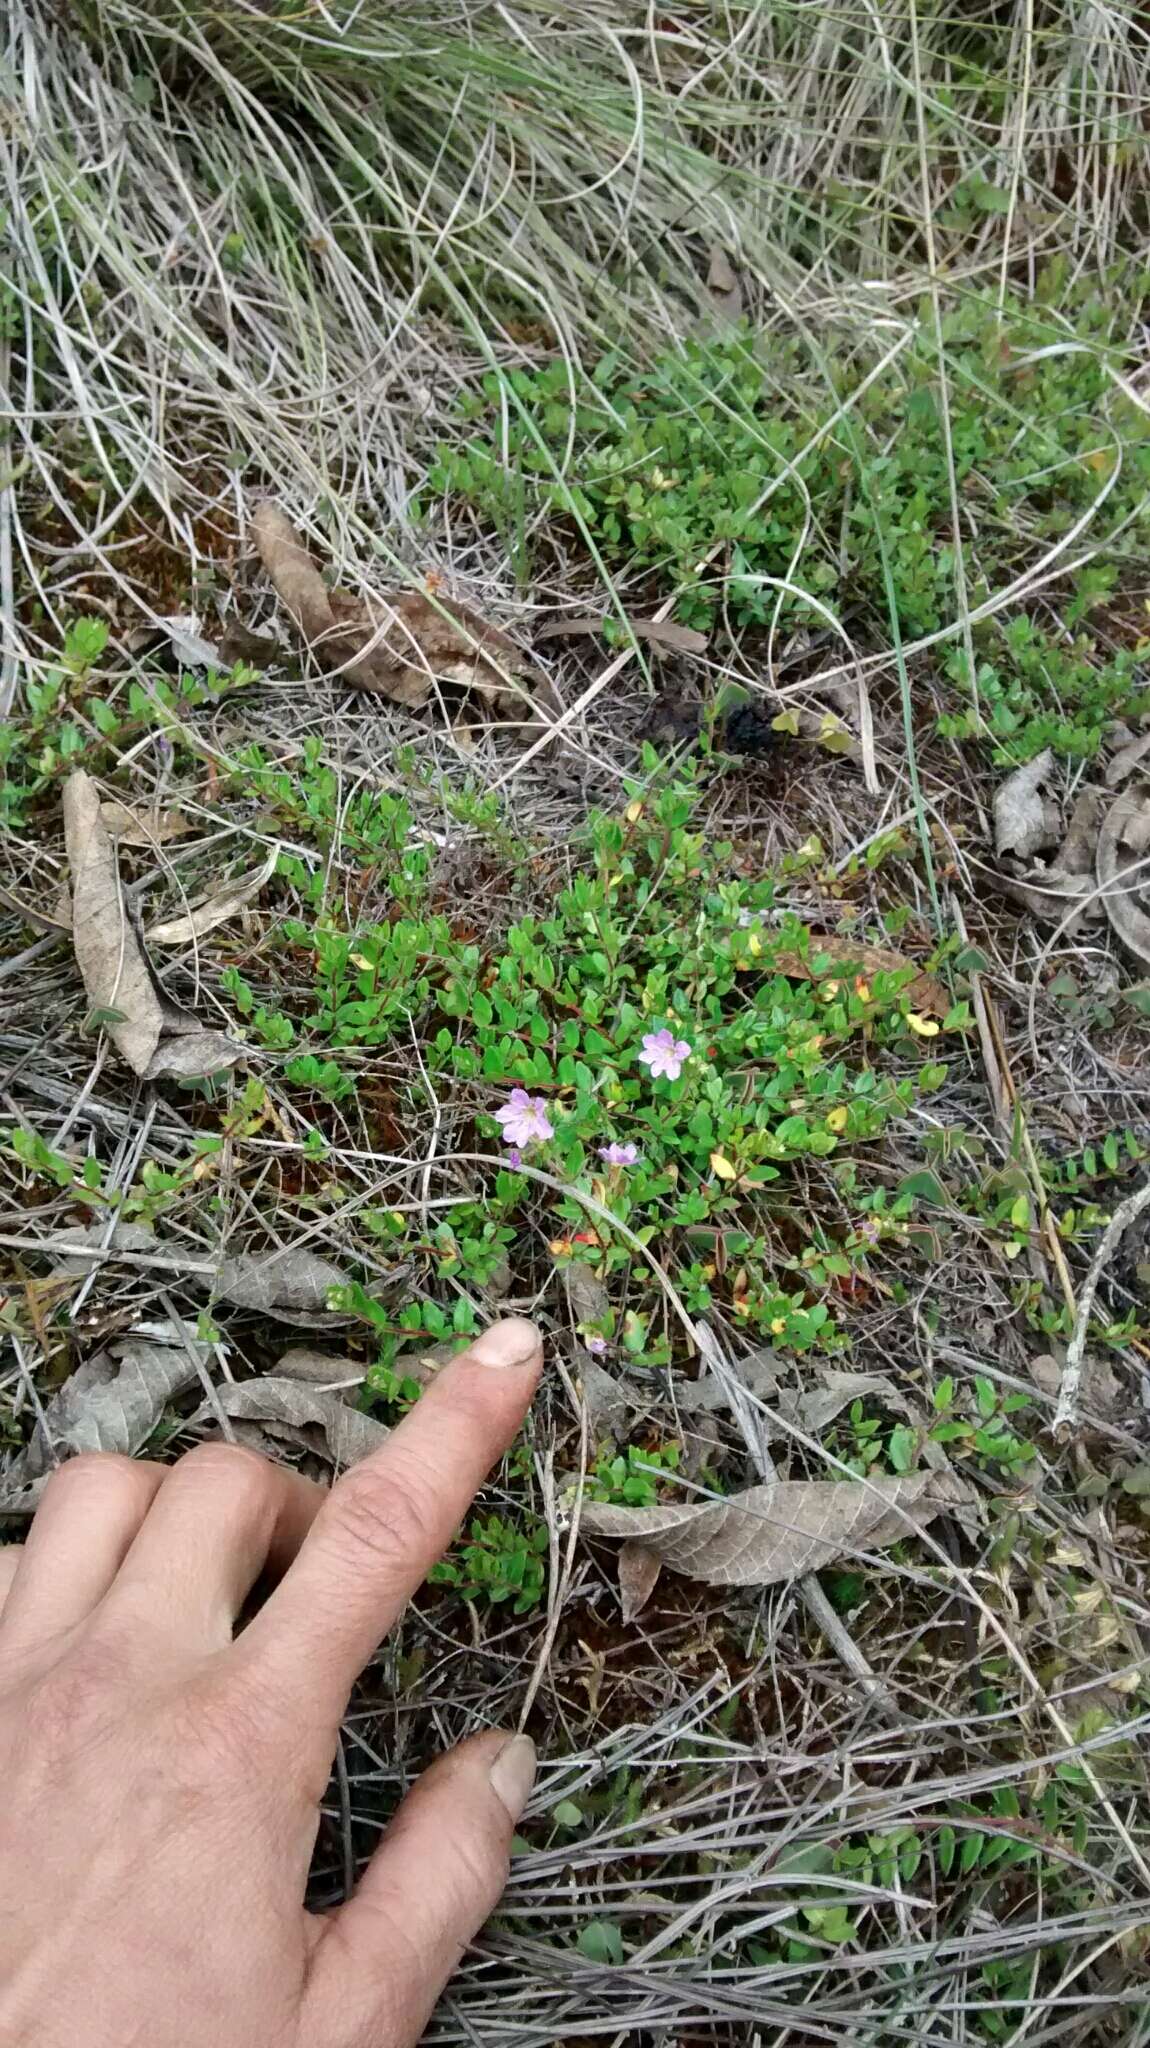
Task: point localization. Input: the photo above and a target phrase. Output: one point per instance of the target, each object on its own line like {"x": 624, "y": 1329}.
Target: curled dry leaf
{"x": 812, "y": 1407}
{"x": 781, "y": 1531}
{"x": 851, "y": 956}
{"x": 1126, "y": 827}
{"x": 1122, "y": 765}
{"x": 285, "y": 1284}
{"x": 134, "y": 825}
{"x": 587, "y": 1298}
{"x": 38, "y": 916}
{"x": 1026, "y": 819}
{"x": 144, "y": 1026}
{"x": 1049, "y": 894}
{"x": 313, "y": 1418}
{"x": 639, "y": 1568}
{"x": 396, "y": 648}
{"x": 319, "y": 1368}
{"x": 612, "y": 1406}
{"x": 339, "y": 634}
{"x": 210, "y": 911}
{"x": 112, "y": 1402}
{"x": 724, "y": 285}
{"x": 1075, "y": 856}
{"x": 659, "y": 632}
{"x": 1101, "y": 1393}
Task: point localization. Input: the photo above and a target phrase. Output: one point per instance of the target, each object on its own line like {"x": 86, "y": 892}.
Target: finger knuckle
{"x": 100, "y": 1478}
{"x": 382, "y": 1522}
{"x": 231, "y": 1465}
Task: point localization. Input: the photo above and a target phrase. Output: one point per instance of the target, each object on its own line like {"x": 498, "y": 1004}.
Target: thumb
{"x": 383, "y": 1959}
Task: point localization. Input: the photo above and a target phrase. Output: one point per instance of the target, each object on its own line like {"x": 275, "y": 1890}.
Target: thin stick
{"x": 1126, "y": 1213}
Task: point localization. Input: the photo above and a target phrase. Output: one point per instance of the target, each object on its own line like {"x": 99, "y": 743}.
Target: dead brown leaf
{"x": 1049, "y": 894}
{"x": 1125, "y": 827}
{"x": 145, "y": 1028}
{"x": 1126, "y": 760}
{"x": 587, "y": 1298}
{"x": 1026, "y": 820}
{"x": 397, "y": 648}
{"x": 38, "y": 916}
{"x": 660, "y": 632}
{"x": 847, "y": 955}
{"x": 213, "y": 910}
{"x": 312, "y": 1418}
{"x": 1075, "y": 856}
{"x": 319, "y": 1368}
{"x": 111, "y": 1403}
{"x": 133, "y": 825}
{"x": 724, "y": 285}
{"x": 781, "y": 1531}
{"x": 639, "y": 1568}
{"x": 287, "y": 1284}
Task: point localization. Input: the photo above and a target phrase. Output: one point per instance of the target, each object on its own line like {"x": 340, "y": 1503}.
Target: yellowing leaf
{"x": 754, "y": 944}
{"x": 633, "y": 812}
{"x": 923, "y": 1027}
{"x": 787, "y": 721}
{"x": 723, "y": 1167}
{"x": 837, "y": 1119}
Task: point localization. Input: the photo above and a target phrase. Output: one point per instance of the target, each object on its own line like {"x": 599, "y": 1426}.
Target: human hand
{"x": 162, "y": 1775}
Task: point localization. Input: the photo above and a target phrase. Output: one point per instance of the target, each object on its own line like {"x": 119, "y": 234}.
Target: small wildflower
{"x": 619, "y": 1155}
{"x": 664, "y": 1054}
{"x": 524, "y": 1118}
{"x": 597, "y": 1346}
{"x": 869, "y": 1230}
{"x": 515, "y": 1156}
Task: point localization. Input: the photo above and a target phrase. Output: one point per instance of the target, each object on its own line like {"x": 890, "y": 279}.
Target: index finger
{"x": 383, "y": 1526}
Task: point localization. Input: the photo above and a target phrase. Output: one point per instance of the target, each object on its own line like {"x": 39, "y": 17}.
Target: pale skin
{"x": 162, "y": 1772}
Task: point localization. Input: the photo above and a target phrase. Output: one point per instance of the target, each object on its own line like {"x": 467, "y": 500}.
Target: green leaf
{"x": 923, "y": 1187}
{"x": 901, "y": 1448}
{"x": 601, "y": 1942}
{"x": 567, "y": 1814}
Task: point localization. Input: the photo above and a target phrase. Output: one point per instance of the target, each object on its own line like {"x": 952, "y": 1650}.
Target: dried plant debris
{"x": 135, "y": 825}
{"x": 782, "y": 1531}
{"x": 658, "y": 632}
{"x": 724, "y": 286}
{"x": 1027, "y": 819}
{"x": 397, "y": 648}
{"x": 1121, "y": 765}
{"x": 1050, "y": 895}
{"x": 1123, "y": 869}
{"x": 291, "y": 1285}
{"x": 846, "y": 955}
{"x": 214, "y": 909}
{"x": 319, "y": 1368}
{"x": 311, "y": 1418}
{"x": 639, "y": 1568}
{"x": 1076, "y": 854}
{"x": 112, "y": 1402}
{"x": 151, "y": 1033}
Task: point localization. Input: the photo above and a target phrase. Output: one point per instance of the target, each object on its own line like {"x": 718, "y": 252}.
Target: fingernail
{"x": 513, "y": 1342}
{"x": 513, "y": 1774}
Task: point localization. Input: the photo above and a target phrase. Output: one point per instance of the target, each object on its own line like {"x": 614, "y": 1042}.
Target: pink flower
{"x": 663, "y": 1053}
{"x": 515, "y": 1156}
{"x": 618, "y": 1155}
{"x": 524, "y": 1118}
{"x": 597, "y": 1346}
